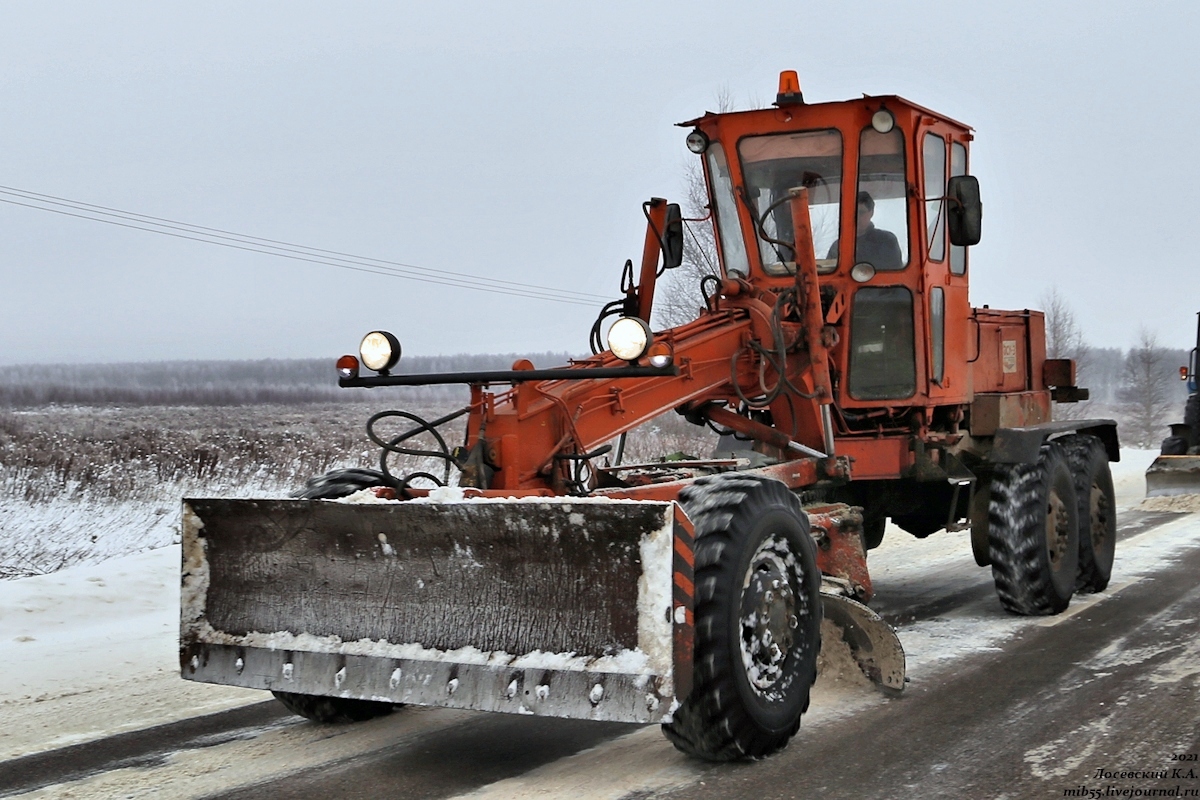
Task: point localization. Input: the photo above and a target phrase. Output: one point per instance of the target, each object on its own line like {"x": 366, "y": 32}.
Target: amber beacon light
{"x": 789, "y": 89}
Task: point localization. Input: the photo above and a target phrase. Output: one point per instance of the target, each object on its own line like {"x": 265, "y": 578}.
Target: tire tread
{"x": 710, "y": 724}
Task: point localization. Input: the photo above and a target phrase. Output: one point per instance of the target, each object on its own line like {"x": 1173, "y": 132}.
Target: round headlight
{"x": 863, "y": 272}
{"x": 629, "y": 338}
{"x": 697, "y": 141}
{"x": 883, "y": 121}
{"x": 379, "y": 350}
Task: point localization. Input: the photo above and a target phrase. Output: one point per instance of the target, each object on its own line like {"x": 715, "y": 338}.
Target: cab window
{"x": 933, "y": 153}
{"x": 883, "y": 364}
{"x": 776, "y": 163}
{"x": 958, "y": 166}
{"x": 881, "y": 213}
{"x": 937, "y": 332}
{"x": 729, "y": 234}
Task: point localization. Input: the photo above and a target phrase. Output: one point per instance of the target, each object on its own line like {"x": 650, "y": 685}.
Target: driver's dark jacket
{"x": 879, "y": 248}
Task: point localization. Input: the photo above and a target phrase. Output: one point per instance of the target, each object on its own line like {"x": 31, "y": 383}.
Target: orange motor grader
{"x": 533, "y": 572}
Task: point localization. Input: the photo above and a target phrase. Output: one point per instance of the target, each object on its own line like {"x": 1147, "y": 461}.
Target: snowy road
{"x": 998, "y": 706}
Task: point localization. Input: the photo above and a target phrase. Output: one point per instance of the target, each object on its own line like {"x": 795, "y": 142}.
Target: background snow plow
{"x": 1177, "y": 470}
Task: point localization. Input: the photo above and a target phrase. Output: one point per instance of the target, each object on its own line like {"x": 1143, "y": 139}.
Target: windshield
{"x": 774, "y": 164}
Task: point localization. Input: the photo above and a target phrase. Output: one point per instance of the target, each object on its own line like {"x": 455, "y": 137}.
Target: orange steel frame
{"x": 523, "y": 429}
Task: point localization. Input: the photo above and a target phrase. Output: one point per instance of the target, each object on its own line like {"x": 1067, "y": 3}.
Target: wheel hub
{"x": 1057, "y": 530}
{"x": 769, "y": 614}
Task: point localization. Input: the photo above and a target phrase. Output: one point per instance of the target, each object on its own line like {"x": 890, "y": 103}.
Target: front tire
{"x": 1033, "y": 533}
{"x": 1097, "y": 510}
{"x": 332, "y": 710}
{"x": 758, "y": 619}
{"x": 319, "y": 708}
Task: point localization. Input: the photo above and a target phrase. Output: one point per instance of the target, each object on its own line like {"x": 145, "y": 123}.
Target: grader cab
{"x": 535, "y": 573}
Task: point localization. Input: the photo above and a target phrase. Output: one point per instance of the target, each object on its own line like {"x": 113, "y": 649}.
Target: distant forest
{"x": 314, "y": 380}
{"x": 229, "y": 383}
{"x": 1104, "y": 371}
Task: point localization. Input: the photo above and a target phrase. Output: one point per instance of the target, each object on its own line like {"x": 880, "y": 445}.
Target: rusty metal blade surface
{"x": 874, "y": 645}
{"x": 1173, "y": 475}
{"x": 480, "y": 593}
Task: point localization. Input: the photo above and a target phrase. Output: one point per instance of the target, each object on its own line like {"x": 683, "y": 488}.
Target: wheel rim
{"x": 1057, "y": 530}
{"x": 769, "y": 619}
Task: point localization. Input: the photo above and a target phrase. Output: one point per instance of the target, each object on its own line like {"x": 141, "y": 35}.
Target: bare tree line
{"x": 231, "y": 383}
{"x": 1140, "y": 386}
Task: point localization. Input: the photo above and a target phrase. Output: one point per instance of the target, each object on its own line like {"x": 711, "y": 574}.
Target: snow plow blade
{"x": 1173, "y": 475}
{"x": 557, "y": 607}
{"x": 875, "y": 647}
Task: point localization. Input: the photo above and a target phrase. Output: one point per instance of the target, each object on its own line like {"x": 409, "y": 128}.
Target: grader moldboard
{"x": 852, "y": 381}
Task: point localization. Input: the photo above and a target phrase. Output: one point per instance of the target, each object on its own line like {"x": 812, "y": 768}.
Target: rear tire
{"x": 1097, "y": 510}
{"x": 1033, "y": 533}
{"x": 318, "y": 708}
{"x": 758, "y": 619}
{"x": 1191, "y": 417}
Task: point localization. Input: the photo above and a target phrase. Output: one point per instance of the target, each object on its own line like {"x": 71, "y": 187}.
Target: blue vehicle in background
{"x": 1177, "y": 469}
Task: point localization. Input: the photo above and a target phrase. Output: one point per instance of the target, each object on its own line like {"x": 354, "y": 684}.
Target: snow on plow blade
{"x": 1172, "y": 475}
{"x": 557, "y": 607}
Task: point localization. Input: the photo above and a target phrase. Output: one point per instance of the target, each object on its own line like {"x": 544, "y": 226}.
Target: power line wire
{"x": 281, "y": 249}
{"x": 271, "y": 243}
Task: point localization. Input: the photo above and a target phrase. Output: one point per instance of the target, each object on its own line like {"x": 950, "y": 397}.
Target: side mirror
{"x": 673, "y": 238}
{"x": 964, "y": 211}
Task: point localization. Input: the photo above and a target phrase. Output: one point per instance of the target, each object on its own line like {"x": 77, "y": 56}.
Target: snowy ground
{"x": 91, "y": 650}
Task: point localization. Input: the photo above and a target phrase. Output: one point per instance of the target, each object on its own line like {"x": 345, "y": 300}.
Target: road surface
{"x": 1094, "y": 702}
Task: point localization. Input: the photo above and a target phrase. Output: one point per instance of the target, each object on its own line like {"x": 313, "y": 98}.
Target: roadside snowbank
{"x": 92, "y": 650}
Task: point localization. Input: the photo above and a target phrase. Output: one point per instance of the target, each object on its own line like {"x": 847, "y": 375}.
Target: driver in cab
{"x": 873, "y": 245}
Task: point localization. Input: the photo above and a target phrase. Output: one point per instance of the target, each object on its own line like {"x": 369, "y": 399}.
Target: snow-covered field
{"x": 91, "y": 649}
{"x": 82, "y": 485}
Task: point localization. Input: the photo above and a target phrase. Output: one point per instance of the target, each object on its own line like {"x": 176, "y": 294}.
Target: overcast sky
{"x": 517, "y": 140}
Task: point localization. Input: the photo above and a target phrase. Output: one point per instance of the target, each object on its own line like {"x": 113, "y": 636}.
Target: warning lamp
{"x": 659, "y": 355}
{"x": 379, "y": 351}
{"x": 347, "y": 367}
{"x": 789, "y": 89}
{"x": 1183, "y": 373}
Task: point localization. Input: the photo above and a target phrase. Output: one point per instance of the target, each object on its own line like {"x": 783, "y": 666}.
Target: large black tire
{"x": 332, "y": 709}
{"x": 1191, "y": 417}
{"x": 758, "y": 619}
{"x": 318, "y": 708}
{"x": 873, "y": 528}
{"x": 1033, "y": 533}
{"x": 1097, "y": 510}
{"x": 340, "y": 483}
{"x": 920, "y": 525}
{"x": 1174, "y": 446}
